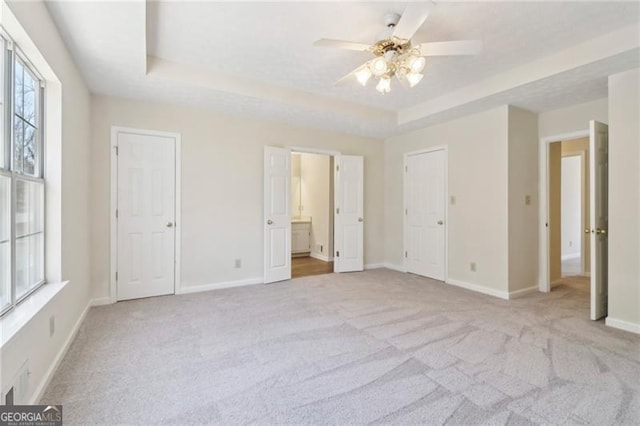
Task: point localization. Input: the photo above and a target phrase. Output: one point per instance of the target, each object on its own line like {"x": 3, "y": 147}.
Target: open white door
{"x": 349, "y": 214}
{"x": 277, "y": 214}
{"x": 599, "y": 175}
{"x": 425, "y": 182}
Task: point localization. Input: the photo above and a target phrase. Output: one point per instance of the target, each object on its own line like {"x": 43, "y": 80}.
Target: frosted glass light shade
{"x": 378, "y": 66}
{"x": 417, "y": 64}
{"x": 414, "y": 78}
{"x": 363, "y": 75}
{"x": 384, "y": 85}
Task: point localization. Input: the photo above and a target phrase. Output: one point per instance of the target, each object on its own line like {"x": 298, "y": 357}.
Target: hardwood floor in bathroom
{"x": 305, "y": 266}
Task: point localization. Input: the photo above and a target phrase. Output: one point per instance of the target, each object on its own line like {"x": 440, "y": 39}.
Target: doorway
{"x": 348, "y": 212}
{"x": 312, "y": 200}
{"x": 574, "y": 214}
{"x": 425, "y": 213}
{"x": 569, "y": 206}
{"x": 145, "y": 222}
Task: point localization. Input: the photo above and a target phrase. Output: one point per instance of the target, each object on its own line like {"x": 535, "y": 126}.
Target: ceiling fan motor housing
{"x": 391, "y": 19}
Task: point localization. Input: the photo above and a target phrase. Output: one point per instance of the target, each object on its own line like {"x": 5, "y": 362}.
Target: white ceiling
{"x": 257, "y": 58}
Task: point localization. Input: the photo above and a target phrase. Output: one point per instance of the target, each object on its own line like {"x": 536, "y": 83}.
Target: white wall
{"x": 317, "y": 201}
{"x": 573, "y": 118}
{"x": 523, "y": 199}
{"x": 222, "y": 173}
{"x": 33, "y": 341}
{"x": 624, "y": 200}
{"x": 477, "y": 177}
{"x": 571, "y": 206}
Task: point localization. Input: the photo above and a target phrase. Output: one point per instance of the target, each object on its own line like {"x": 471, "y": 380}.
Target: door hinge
{"x": 338, "y": 210}
{"x": 337, "y": 254}
{"x": 116, "y": 275}
{"x": 116, "y": 213}
{"x": 116, "y": 147}
{"x": 337, "y": 168}
{"x": 405, "y": 254}
{"x": 406, "y": 211}
{"x": 406, "y": 168}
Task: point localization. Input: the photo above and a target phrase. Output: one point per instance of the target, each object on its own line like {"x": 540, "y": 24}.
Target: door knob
{"x": 269, "y": 222}
{"x": 169, "y": 224}
{"x": 360, "y": 219}
{"x": 586, "y": 230}
{"x": 601, "y": 231}
{"x": 440, "y": 222}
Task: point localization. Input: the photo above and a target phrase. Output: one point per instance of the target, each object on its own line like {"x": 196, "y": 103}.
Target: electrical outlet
{"x": 472, "y": 266}
{"x": 527, "y": 200}
{"x": 452, "y": 200}
{"x": 52, "y": 325}
{"x": 238, "y": 263}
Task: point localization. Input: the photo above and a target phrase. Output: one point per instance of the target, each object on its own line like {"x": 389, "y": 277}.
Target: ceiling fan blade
{"x": 412, "y": 18}
{"x": 341, "y": 44}
{"x": 451, "y": 48}
{"x": 347, "y": 78}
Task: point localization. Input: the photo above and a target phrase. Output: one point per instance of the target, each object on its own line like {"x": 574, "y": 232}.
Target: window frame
{"x": 12, "y": 53}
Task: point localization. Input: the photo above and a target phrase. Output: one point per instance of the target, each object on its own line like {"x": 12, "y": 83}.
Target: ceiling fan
{"x": 395, "y": 53}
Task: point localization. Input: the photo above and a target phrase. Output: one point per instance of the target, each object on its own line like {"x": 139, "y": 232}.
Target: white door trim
{"x": 304, "y": 150}
{"x": 115, "y": 130}
{"x": 544, "y": 283}
{"x": 444, "y": 148}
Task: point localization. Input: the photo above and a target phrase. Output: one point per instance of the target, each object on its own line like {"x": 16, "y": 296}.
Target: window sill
{"x": 13, "y": 321}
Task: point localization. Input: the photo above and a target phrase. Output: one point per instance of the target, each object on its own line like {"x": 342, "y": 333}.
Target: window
{"x": 22, "y": 184}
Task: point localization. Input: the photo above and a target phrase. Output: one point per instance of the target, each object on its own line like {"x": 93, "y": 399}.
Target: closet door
{"x": 425, "y": 227}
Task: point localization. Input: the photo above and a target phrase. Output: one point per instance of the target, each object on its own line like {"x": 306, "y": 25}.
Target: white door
{"x": 349, "y": 214}
{"x": 277, "y": 214}
{"x": 599, "y": 199}
{"x": 425, "y": 214}
{"x": 146, "y": 211}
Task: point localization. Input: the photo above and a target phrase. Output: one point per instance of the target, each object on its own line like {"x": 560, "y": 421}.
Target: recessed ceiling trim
{"x": 211, "y": 79}
{"x": 596, "y": 49}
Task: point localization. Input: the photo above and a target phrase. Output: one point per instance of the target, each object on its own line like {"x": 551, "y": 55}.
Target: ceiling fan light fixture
{"x": 417, "y": 63}
{"x": 414, "y": 78}
{"x": 363, "y": 75}
{"x": 378, "y": 66}
{"x": 384, "y": 85}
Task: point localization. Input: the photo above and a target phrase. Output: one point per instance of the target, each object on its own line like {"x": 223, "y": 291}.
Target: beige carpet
{"x": 373, "y": 347}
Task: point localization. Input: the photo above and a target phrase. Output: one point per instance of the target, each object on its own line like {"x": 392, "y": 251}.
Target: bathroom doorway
{"x": 312, "y": 214}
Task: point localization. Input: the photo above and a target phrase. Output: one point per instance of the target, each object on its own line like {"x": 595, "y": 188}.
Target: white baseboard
{"x": 58, "y": 359}
{"x": 374, "y": 266}
{"x": 570, "y": 256}
{"x": 217, "y": 286}
{"x": 393, "y": 267}
{"x": 479, "y": 288}
{"x": 100, "y": 301}
{"x": 523, "y": 292}
{"x": 623, "y": 325}
{"x": 321, "y": 257}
